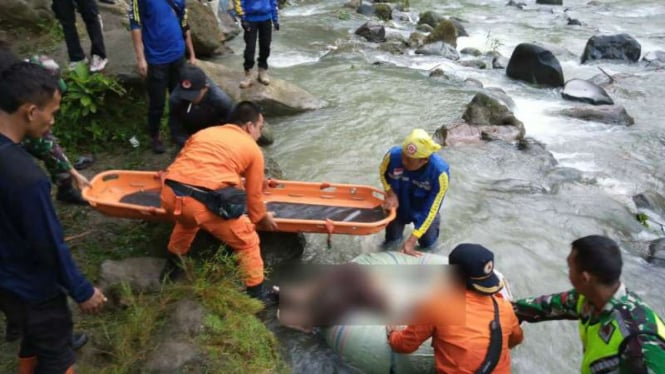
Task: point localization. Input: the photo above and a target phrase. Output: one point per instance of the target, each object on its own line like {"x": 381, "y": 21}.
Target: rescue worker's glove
{"x": 276, "y": 25}
{"x": 246, "y": 25}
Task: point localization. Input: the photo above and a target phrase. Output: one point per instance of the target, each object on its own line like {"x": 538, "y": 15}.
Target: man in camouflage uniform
{"x": 619, "y": 332}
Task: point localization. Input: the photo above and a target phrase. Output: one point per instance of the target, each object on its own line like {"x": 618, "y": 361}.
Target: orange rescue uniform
{"x": 460, "y": 344}
{"x": 215, "y": 158}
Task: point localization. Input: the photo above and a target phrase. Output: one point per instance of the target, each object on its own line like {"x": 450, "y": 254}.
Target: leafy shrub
{"x": 95, "y": 110}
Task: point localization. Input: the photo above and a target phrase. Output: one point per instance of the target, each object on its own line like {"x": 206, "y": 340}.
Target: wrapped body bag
{"x": 228, "y": 202}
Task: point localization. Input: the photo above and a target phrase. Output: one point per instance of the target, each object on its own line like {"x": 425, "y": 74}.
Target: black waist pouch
{"x": 228, "y": 202}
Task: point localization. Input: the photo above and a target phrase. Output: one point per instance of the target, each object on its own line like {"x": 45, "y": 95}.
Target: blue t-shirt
{"x": 35, "y": 263}
{"x": 161, "y": 28}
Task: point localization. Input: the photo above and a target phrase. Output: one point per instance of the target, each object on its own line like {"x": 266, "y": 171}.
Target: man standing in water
{"x": 619, "y": 332}
{"x": 415, "y": 179}
{"x": 36, "y": 267}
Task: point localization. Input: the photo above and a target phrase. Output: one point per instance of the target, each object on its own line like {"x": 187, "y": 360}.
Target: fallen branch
{"x": 612, "y": 80}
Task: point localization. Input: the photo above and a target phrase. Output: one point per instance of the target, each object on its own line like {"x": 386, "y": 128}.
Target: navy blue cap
{"x": 477, "y": 265}
{"x": 192, "y": 81}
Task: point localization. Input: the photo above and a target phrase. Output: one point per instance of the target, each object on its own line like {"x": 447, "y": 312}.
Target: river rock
{"x": 140, "y": 273}
{"x": 475, "y": 63}
{"x": 494, "y": 119}
{"x": 457, "y": 134}
{"x": 267, "y": 135}
{"x": 652, "y": 201}
{"x": 585, "y": 91}
{"x": 519, "y": 186}
{"x": 171, "y": 357}
{"x": 394, "y": 47}
{"x": 471, "y": 51}
{"x": 549, "y": 2}
{"x": 445, "y": 32}
{"x": 438, "y": 49}
{"x": 186, "y": 319}
{"x": 534, "y": 64}
{"x": 499, "y": 62}
{"x": 281, "y": 247}
{"x": 438, "y": 73}
{"x": 656, "y": 254}
{"x": 500, "y": 95}
{"x": 461, "y": 31}
{"x": 372, "y": 31}
{"x": 353, "y": 4}
{"x": 537, "y": 151}
{"x": 612, "y": 47}
{"x": 430, "y": 18}
{"x": 424, "y": 28}
{"x": 366, "y": 10}
{"x": 400, "y": 16}
{"x": 25, "y": 13}
{"x": 473, "y": 83}
{"x": 383, "y": 11}
{"x": 573, "y": 22}
{"x": 652, "y": 56}
{"x": 206, "y": 33}
{"x": 610, "y": 114}
{"x": 519, "y": 5}
{"x": 278, "y": 98}
{"x": 416, "y": 39}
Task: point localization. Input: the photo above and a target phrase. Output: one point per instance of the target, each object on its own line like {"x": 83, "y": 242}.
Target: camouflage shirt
{"x": 48, "y": 150}
{"x": 638, "y": 348}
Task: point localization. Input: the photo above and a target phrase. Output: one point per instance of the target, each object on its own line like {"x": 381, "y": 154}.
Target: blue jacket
{"x": 256, "y": 10}
{"x": 420, "y": 192}
{"x": 35, "y": 263}
{"x": 161, "y": 28}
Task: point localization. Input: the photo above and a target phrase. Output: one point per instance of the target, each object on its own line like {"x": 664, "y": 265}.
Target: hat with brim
{"x": 476, "y": 263}
{"x": 192, "y": 81}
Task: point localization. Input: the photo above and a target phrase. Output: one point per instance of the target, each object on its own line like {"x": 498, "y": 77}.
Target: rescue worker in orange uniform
{"x": 215, "y": 159}
{"x": 461, "y": 341}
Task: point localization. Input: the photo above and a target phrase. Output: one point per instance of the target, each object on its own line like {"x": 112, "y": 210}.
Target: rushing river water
{"x": 524, "y": 207}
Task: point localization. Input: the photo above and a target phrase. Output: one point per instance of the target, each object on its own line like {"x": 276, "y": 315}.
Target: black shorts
{"x": 46, "y": 330}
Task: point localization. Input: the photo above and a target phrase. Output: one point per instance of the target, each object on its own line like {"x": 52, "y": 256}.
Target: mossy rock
{"x": 383, "y": 11}
{"x": 429, "y": 18}
{"x": 445, "y": 32}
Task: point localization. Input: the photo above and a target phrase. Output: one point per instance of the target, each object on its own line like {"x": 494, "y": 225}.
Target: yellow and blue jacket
{"x": 420, "y": 193}
{"x": 256, "y": 10}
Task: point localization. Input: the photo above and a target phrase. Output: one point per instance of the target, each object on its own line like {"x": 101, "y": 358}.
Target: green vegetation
{"x": 493, "y": 44}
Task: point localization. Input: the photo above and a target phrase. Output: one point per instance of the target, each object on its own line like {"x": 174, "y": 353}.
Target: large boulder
{"x": 534, "y": 64}
{"x": 278, "y": 98}
{"x": 372, "y": 31}
{"x": 461, "y": 31}
{"x": 494, "y": 119}
{"x": 610, "y": 114}
{"x": 206, "y": 33}
{"x": 612, "y": 47}
{"x": 228, "y": 26}
{"x": 438, "y": 49}
{"x": 24, "y": 13}
{"x": 652, "y": 201}
{"x": 585, "y": 91}
{"x": 445, "y": 32}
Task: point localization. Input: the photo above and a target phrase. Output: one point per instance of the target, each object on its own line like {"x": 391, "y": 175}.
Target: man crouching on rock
{"x": 203, "y": 190}
{"x": 36, "y": 267}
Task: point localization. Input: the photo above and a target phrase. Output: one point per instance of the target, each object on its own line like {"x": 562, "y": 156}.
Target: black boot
{"x": 68, "y": 194}
{"x": 172, "y": 270}
{"x": 79, "y": 340}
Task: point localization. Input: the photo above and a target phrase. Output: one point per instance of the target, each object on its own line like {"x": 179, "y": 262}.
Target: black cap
{"x": 192, "y": 81}
{"x": 477, "y": 265}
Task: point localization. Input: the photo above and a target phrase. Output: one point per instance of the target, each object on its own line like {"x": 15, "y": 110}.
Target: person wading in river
{"x": 619, "y": 332}
{"x": 415, "y": 179}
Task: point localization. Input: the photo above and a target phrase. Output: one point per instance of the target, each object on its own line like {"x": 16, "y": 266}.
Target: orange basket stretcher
{"x": 326, "y": 208}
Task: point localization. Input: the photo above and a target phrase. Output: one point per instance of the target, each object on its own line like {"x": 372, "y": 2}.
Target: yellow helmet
{"x": 419, "y": 144}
